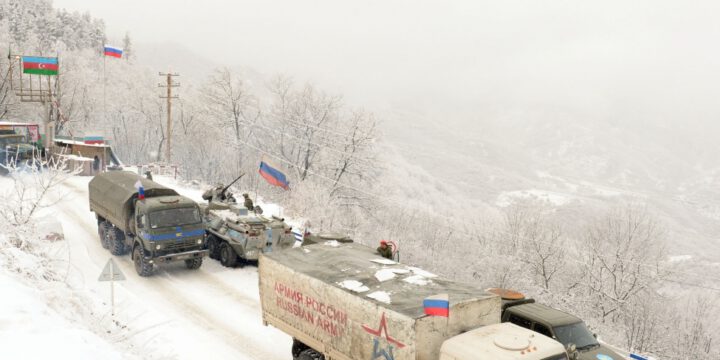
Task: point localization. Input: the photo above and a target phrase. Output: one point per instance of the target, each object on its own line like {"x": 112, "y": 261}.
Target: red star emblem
{"x": 382, "y": 329}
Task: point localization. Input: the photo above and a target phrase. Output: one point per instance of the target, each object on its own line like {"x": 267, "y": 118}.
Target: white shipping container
{"x": 346, "y": 302}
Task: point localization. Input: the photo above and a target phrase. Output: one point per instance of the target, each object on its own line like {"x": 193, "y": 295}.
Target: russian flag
{"x": 113, "y": 51}
{"x": 437, "y": 305}
{"x": 141, "y": 190}
{"x": 273, "y": 175}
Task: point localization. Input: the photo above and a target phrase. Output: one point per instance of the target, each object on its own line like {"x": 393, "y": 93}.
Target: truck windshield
{"x": 577, "y": 334}
{"x": 174, "y": 217}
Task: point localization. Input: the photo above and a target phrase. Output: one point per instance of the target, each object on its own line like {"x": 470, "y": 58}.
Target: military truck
{"x": 343, "y": 301}
{"x": 569, "y": 330}
{"x": 236, "y": 236}
{"x": 156, "y": 224}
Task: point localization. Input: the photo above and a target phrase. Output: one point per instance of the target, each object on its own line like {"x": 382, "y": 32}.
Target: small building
{"x": 93, "y": 154}
{"x": 30, "y": 132}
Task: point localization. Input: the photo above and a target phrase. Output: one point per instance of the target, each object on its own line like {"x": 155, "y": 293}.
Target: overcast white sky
{"x": 452, "y": 54}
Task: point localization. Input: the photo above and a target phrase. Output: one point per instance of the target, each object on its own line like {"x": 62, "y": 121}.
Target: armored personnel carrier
{"x": 236, "y": 234}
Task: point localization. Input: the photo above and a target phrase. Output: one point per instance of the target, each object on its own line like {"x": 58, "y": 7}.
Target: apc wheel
{"x": 116, "y": 241}
{"x": 228, "y": 257}
{"x": 142, "y": 266}
{"x": 103, "y": 228}
{"x": 213, "y": 246}
{"x": 193, "y": 264}
{"x": 310, "y": 354}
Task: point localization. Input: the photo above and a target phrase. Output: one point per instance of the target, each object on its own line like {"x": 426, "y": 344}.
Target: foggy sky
{"x": 649, "y": 58}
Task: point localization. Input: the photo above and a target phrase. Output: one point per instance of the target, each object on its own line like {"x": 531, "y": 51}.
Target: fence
{"x": 157, "y": 169}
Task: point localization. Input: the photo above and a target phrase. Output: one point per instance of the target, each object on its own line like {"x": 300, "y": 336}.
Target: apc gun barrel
{"x": 230, "y": 184}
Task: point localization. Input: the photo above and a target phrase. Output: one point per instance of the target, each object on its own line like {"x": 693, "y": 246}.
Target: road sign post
{"x": 111, "y": 273}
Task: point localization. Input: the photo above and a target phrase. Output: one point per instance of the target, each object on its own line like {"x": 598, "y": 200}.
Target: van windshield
{"x": 562, "y": 356}
{"x": 174, "y": 217}
{"x": 577, "y": 334}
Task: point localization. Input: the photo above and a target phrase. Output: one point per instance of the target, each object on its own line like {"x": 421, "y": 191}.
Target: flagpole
{"x": 257, "y": 180}
{"x": 104, "y": 97}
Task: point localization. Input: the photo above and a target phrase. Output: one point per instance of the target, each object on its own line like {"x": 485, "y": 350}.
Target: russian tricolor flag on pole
{"x": 141, "y": 190}
{"x": 113, "y": 51}
{"x": 273, "y": 175}
{"x": 437, "y": 305}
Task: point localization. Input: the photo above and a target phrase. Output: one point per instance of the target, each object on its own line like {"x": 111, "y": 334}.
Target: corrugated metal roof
{"x": 82, "y": 143}
{"x": 11, "y": 123}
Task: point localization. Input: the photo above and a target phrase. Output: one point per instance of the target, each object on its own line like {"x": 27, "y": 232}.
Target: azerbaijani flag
{"x": 113, "y": 51}
{"x": 141, "y": 190}
{"x": 40, "y": 65}
{"x": 437, "y": 305}
{"x": 273, "y": 175}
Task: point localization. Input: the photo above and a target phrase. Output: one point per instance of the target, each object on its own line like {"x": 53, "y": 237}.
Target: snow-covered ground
{"x": 213, "y": 312}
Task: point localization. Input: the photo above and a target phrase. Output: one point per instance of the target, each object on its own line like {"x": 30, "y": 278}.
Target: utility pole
{"x": 169, "y": 85}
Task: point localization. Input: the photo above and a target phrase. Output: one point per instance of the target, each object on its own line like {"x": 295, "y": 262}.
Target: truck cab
{"x": 502, "y": 342}
{"x": 168, "y": 225}
{"x": 13, "y": 149}
{"x": 569, "y": 330}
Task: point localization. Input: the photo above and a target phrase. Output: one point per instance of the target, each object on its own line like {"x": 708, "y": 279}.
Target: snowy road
{"x": 176, "y": 313}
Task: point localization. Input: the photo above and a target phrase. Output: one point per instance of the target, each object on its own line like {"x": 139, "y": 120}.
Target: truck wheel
{"x": 297, "y": 348}
{"x": 116, "y": 241}
{"x": 213, "y": 246}
{"x": 193, "y": 264}
{"x": 103, "y": 227}
{"x": 142, "y": 266}
{"x": 310, "y": 354}
{"x": 228, "y": 257}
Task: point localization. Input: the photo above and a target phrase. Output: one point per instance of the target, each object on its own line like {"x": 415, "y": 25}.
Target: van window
{"x": 557, "y": 357}
{"x": 543, "y": 330}
{"x": 520, "y": 321}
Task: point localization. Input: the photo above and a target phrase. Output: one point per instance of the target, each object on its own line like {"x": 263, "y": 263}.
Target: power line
{"x": 300, "y": 139}
{"x": 527, "y": 239}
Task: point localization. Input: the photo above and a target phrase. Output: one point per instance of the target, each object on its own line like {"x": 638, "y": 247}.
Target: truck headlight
{"x": 158, "y": 247}
{"x": 199, "y": 241}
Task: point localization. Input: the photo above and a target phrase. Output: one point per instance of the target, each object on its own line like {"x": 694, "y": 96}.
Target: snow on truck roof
{"x": 120, "y": 186}
{"x": 358, "y": 269}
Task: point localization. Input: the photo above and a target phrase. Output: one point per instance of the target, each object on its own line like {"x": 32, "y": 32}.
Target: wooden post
{"x": 169, "y": 96}
{"x": 169, "y": 118}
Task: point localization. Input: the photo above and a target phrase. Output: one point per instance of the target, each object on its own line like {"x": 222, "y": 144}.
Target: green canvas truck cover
{"x": 111, "y": 194}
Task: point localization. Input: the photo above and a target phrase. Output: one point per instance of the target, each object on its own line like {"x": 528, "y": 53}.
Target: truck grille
{"x": 171, "y": 246}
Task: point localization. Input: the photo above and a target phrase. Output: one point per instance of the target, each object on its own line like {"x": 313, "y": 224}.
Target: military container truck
{"x": 343, "y": 301}
{"x": 157, "y": 227}
{"x": 235, "y": 235}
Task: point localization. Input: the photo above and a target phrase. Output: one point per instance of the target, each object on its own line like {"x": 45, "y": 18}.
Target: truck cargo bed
{"x": 349, "y": 303}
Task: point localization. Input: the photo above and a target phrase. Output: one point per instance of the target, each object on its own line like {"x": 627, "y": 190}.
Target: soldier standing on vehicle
{"x": 248, "y": 202}
{"x": 385, "y": 250}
